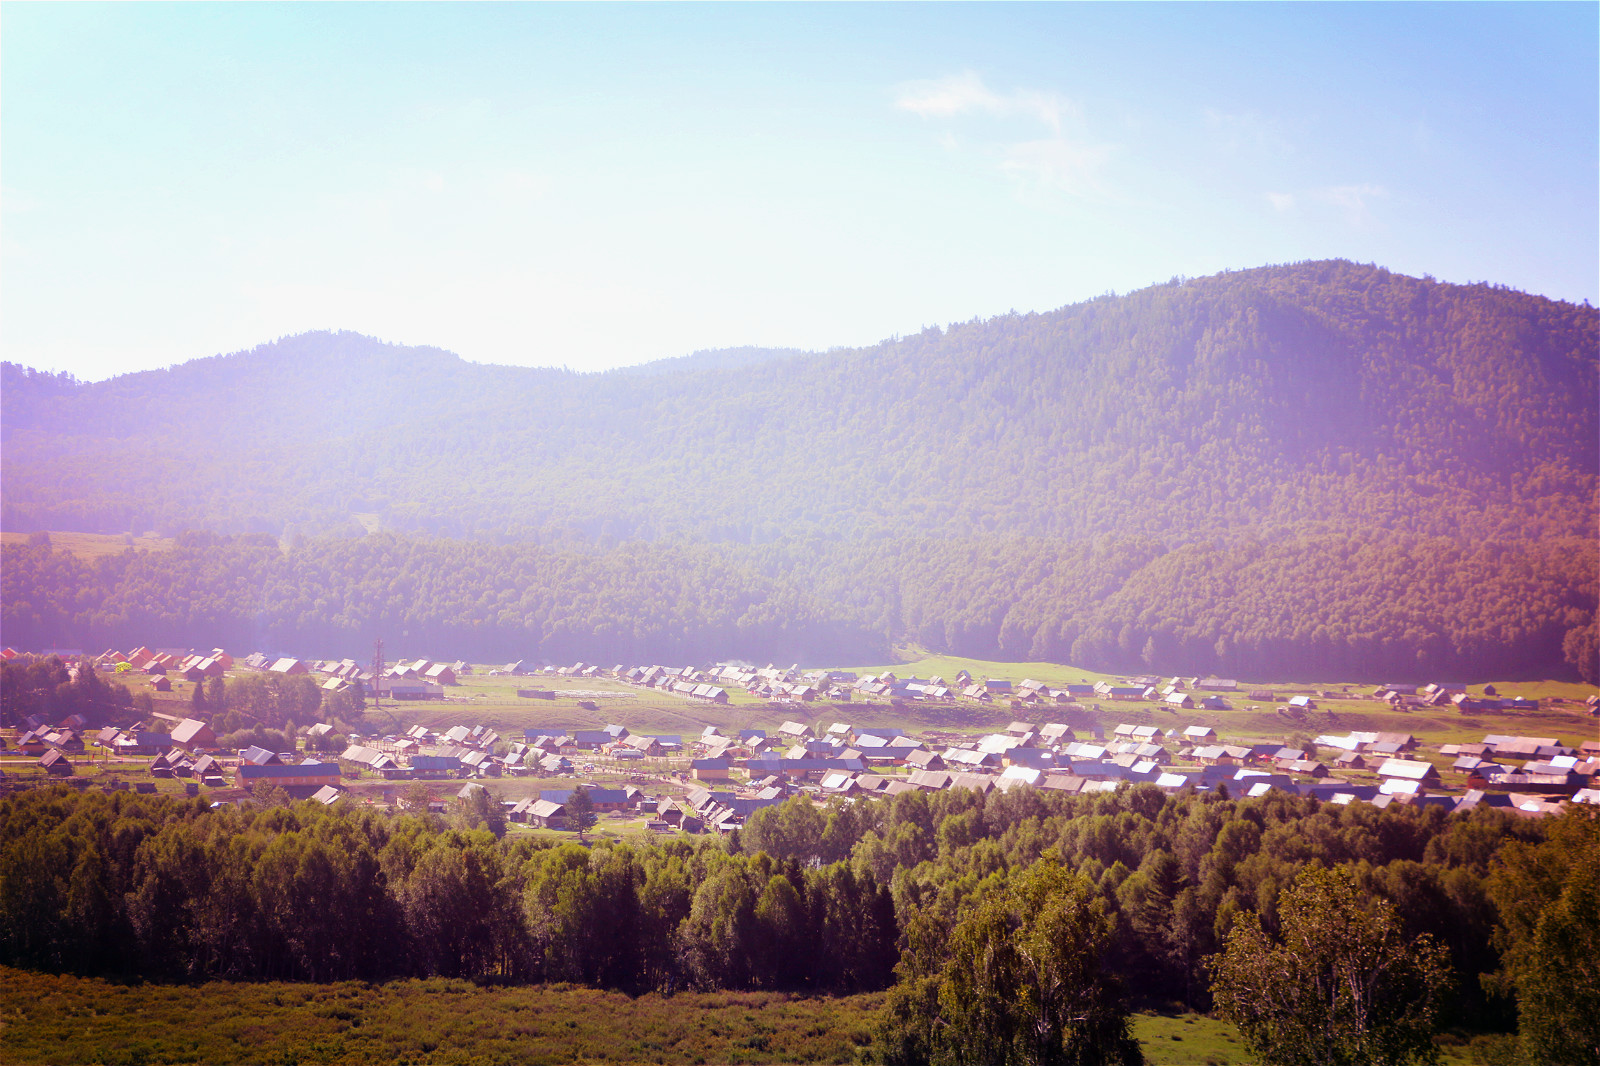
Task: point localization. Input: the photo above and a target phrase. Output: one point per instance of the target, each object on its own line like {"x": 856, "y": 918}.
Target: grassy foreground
{"x": 70, "y": 1021}
{"x": 66, "y": 1020}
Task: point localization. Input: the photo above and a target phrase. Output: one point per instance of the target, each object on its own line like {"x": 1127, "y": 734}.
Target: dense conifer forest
{"x": 1317, "y": 469}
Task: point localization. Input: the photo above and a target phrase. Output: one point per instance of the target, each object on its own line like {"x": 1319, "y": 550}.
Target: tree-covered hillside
{"x": 1319, "y": 468}
{"x": 1308, "y": 398}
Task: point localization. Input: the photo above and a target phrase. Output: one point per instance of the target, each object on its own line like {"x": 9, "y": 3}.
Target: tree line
{"x": 44, "y": 685}
{"x": 878, "y": 894}
{"x": 1369, "y": 606}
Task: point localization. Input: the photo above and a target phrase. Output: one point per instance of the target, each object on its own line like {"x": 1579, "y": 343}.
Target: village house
{"x": 709, "y": 770}
{"x": 302, "y": 780}
{"x": 194, "y": 735}
{"x": 1422, "y": 773}
{"x": 56, "y": 763}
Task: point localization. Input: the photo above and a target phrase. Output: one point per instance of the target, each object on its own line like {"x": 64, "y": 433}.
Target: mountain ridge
{"x": 1468, "y": 389}
{"x": 1323, "y": 465}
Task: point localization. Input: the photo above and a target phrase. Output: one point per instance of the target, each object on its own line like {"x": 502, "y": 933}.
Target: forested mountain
{"x": 1319, "y": 464}
{"x": 1311, "y": 397}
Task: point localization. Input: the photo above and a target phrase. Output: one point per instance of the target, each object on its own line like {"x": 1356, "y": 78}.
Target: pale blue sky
{"x": 597, "y": 185}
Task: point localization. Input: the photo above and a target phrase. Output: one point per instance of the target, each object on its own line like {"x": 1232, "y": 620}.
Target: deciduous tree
{"x": 1342, "y": 986}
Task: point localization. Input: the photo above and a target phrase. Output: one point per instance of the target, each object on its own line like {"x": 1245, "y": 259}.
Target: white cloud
{"x": 966, "y": 93}
{"x": 958, "y": 94}
{"x": 1065, "y": 160}
{"x": 1281, "y": 201}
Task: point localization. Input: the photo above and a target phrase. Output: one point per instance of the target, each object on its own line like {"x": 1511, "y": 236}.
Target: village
{"x": 1064, "y": 736}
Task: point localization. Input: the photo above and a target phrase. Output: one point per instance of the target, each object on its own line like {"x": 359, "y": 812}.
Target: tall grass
{"x": 70, "y": 1021}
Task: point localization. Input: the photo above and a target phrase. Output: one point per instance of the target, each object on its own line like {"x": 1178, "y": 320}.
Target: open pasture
{"x": 92, "y": 546}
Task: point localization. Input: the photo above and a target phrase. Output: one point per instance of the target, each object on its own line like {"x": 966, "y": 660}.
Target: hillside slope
{"x": 1322, "y": 468}
{"x": 1315, "y": 397}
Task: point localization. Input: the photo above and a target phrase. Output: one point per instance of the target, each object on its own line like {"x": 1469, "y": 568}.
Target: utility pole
{"x": 377, "y": 670}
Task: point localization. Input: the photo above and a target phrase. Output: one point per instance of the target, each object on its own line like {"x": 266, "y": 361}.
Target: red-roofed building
{"x": 193, "y": 735}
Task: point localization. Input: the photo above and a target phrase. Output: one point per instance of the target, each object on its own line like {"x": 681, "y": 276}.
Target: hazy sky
{"x": 592, "y": 186}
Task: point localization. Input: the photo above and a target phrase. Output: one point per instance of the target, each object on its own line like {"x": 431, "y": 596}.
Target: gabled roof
{"x": 187, "y": 730}
{"x": 1407, "y": 769}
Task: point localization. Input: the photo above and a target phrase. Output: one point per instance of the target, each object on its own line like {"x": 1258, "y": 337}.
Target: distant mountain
{"x": 1248, "y": 412}
{"x": 1311, "y": 397}
{"x": 711, "y": 359}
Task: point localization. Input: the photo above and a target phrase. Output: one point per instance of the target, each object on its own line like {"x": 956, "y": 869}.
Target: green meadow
{"x": 70, "y": 1021}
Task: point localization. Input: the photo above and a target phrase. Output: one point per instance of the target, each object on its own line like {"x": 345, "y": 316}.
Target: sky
{"x": 601, "y": 185}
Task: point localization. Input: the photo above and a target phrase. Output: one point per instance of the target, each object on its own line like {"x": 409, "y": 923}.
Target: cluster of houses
{"x": 164, "y": 666}
{"x": 188, "y": 751}
{"x": 53, "y": 745}
{"x": 471, "y": 751}
{"x": 1408, "y": 697}
{"x": 1535, "y": 774}
{"x": 711, "y": 685}
{"x": 422, "y": 754}
{"x": 683, "y": 681}
{"x": 846, "y": 762}
{"x": 416, "y": 680}
{"x": 737, "y": 773}
{"x": 551, "y": 809}
{"x": 1177, "y": 692}
{"x": 792, "y": 685}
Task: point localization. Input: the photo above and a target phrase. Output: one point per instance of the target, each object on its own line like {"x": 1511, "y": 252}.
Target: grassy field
{"x": 64, "y": 1021}
{"x": 1189, "y": 1040}
{"x": 93, "y": 545}
{"x": 68, "y": 1021}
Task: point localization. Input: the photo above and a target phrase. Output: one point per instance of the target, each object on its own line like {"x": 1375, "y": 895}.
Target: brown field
{"x": 93, "y": 545}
